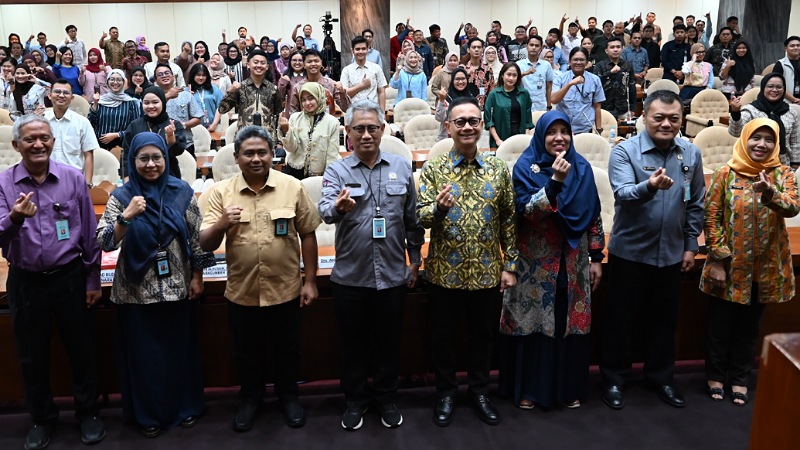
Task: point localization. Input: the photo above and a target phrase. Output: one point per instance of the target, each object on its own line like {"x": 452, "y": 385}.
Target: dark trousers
{"x": 448, "y": 307}
{"x": 371, "y": 326}
{"x": 656, "y": 290}
{"x": 732, "y": 336}
{"x": 251, "y": 325}
{"x": 37, "y": 301}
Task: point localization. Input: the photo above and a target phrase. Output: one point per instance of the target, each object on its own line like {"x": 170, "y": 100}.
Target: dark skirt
{"x": 161, "y": 378}
{"x": 545, "y": 370}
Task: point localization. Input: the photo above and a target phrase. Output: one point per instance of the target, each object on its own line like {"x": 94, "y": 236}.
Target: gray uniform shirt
{"x": 655, "y": 228}
{"x": 362, "y": 260}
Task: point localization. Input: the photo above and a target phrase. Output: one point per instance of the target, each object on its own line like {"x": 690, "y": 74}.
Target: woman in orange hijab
{"x": 749, "y": 263}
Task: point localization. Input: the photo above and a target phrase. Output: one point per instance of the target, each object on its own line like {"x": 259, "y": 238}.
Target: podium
{"x": 777, "y": 406}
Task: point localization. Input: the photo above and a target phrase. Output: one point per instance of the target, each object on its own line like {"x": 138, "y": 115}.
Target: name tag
{"x": 281, "y": 227}
{"x": 649, "y": 168}
{"x": 687, "y": 190}
{"x": 379, "y": 228}
{"x": 62, "y": 230}
{"x": 162, "y": 264}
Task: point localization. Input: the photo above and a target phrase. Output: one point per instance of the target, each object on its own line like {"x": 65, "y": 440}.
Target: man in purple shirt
{"x": 47, "y": 233}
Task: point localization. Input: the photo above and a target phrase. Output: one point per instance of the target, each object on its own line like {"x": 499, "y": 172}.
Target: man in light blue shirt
{"x": 658, "y": 204}
{"x": 537, "y": 75}
{"x": 373, "y": 55}
{"x": 704, "y": 31}
{"x": 308, "y": 41}
{"x": 637, "y": 56}
{"x": 578, "y": 94}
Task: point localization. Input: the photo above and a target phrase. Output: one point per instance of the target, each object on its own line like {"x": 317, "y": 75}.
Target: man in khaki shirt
{"x": 261, "y": 213}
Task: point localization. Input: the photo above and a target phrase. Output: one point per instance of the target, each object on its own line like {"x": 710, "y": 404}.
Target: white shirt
{"x": 568, "y": 42}
{"x": 73, "y": 136}
{"x": 150, "y": 71}
{"x": 352, "y": 75}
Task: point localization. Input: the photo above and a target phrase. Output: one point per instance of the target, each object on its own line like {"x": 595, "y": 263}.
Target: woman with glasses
{"x": 112, "y": 112}
{"x": 698, "y": 74}
{"x": 749, "y": 262}
{"x": 137, "y": 83}
{"x": 234, "y": 67}
{"x": 293, "y": 74}
{"x": 548, "y": 55}
{"x": 578, "y": 94}
{"x": 156, "y": 120}
{"x": 459, "y": 87}
{"x": 409, "y": 79}
{"x": 546, "y": 318}
{"x": 772, "y": 105}
{"x": 155, "y": 222}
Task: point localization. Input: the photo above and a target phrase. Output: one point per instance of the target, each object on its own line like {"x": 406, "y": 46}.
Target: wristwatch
{"x": 600, "y": 129}
{"x": 121, "y": 220}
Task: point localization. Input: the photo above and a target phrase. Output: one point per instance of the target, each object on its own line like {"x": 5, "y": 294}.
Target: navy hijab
{"x": 578, "y": 202}
{"x": 168, "y": 195}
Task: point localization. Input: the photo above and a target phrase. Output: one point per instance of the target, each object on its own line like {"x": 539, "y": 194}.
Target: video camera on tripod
{"x": 327, "y": 23}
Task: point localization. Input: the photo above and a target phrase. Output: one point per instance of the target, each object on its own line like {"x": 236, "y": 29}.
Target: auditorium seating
{"x": 106, "y": 167}
{"x": 716, "y": 147}
{"x": 594, "y": 148}
{"x": 391, "y": 144}
{"x": 421, "y": 132}
{"x": 511, "y": 149}
{"x": 224, "y": 165}
{"x": 706, "y": 109}
{"x": 8, "y": 156}
{"x": 326, "y": 233}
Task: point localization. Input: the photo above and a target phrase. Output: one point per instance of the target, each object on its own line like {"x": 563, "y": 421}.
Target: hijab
{"x": 694, "y": 49}
{"x": 319, "y": 93}
{"x": 470, "y": 91}
{"x": 21, "y": 89}
{"x": 95, "y": 68}
{"x": 43, "y": 63}
{"x": 578, "y": 202}
{"x": 163, "y": 220}
{"x": 226, "y": 57}
{"x": 216, "y": 74}
{"x": 744, "y": 69}
{"x": 207, "y": 55}
{"x": 51, "y": 61}
{"x": 161, "y": 118}
{"x": 113, "y": 99}
{"x": 274, "y": 54}
{"x": 281, "y": 64}
{"x": 131, "y": 91}
{"x": 497, "y": 65}
{"x": 447, "y": 58}
{"x": 416, "y": 69}
{"x": 741, "y": 162}
{"x": 774, "y": 110}
{"x": 140, "y": 46}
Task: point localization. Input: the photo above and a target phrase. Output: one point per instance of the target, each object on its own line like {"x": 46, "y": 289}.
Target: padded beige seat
{"x": 79, "y": 105}
{"x": 768, "y": 70}
{"x": 421, "y": 132}
{"x": 664, "y": 85}
{"x": 594, "y": 148}
{"x": 202, "y": 140}
{"x": 391, "y": 95}
{"x": 716, "y": 147}
{"x": 440, "y": 148}
{"x": 8, "y": 155}
{"x": 706, "y": 109}
{"x": 230, "y": 133}
{"x": 224, "y": 165}
{"x": 750, "y": 96}
{"x": 653, "y": 74}
{"x": 106, "y": 167}
{"x": 606, "y": 195}
{"x": 408, "y": 108}
{"x": 511, "y": 149}
{"x": 188, "y": 167}
{"x": 431, "y": 98}
{"x": 535, "y": 115}
{"x": 326, "y": 233}
{"x": 5, "y": 117}
{"x": 391, "y": 144}
{"x": 608, "y": 120}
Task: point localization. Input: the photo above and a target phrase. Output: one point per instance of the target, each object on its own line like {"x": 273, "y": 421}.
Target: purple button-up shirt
{"x": 33, "y": 245}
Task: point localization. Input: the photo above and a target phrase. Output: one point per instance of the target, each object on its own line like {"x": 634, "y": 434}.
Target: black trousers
{"x": 251, "y": 325}
{"x": 37, "y": 301}
{"x": 656, "y": 291}
{"x": 732, "y": 336}
{"x": 371, "y": 326}
{"x": 448, "y": 307}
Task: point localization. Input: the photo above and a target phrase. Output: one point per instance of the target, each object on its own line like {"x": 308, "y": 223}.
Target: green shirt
{"x": 468, "y": 242}
{"x": 497, "y": 112}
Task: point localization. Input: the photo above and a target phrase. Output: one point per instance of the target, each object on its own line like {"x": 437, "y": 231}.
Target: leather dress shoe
{"x": 38, "y": 436}
{"x": 443, "y": 412}
{"x": 671, "y": 396}
{"x": 92, "y": 430}
{"x": 151, "y": 431}
{"x": 612, "y": 396}
{"x": 246, "y": 414}
{"x": 293, "y": 412}
{"x": 486, "y": 411}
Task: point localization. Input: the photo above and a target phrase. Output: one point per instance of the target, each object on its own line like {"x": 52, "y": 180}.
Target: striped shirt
{"x": 114, "y": 120}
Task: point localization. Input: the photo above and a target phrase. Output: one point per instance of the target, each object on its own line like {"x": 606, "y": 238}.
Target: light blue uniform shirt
{"x": 536, "y": 83}
{"x": 577, "y": 104}
{"x": 655, "y": 228}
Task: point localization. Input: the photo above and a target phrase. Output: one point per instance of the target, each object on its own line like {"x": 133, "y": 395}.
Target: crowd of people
{"x": 534, "y": 233}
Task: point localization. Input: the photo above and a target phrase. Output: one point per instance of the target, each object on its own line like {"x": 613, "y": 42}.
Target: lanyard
{"x": 369, "y": 185}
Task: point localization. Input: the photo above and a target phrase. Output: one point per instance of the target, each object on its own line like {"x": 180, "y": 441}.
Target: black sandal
{"x": 739, "y": 396}
{"x": 712, "y": 391}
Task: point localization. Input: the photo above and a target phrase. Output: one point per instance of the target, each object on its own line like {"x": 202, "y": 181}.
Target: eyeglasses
{"x": 371, "y": 129}
{"x": 773, "y": 87}
{"x": 64, "y": 92}
{"x": 701, "y": 52}
{"x": 143, "y": 160}
{"x": 461, "y": 121}
{"x": 164, "y": 74}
